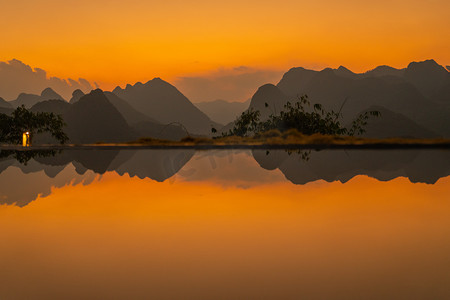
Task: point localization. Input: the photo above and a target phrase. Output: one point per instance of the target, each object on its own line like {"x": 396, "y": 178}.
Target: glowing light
{"x": 26, "y": 139}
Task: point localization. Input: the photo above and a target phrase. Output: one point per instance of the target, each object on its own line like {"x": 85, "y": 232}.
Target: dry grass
{"x": 290, "y": 137}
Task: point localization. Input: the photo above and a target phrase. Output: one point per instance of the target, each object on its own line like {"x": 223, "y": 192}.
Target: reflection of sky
{"x": 131, "y": 238}
{"x": 19, "y": 187}
{"x": 228, "y": 168}
{"x": 21, "y": 184}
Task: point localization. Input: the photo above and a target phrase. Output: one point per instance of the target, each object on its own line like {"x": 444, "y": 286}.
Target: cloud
{"x": 17, "y": 77}
{"x": 234, "y": 84}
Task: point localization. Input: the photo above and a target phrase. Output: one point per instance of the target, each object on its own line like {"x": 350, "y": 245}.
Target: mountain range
{"x": 28, "y": 100}
{"x": 95, "y": 118}
{"x": 163, "y": 102}
{"x": 417, "y": 97}
{"x": 414, "y": 102}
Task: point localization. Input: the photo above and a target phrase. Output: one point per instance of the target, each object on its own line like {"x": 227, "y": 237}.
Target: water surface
{"x": 171, "y": 224}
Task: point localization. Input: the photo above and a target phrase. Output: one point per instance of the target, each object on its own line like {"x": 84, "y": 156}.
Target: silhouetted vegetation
{"x": 24, "y": 157}
{"x": 301, "y": 117}
{"x": 22, "y": 120}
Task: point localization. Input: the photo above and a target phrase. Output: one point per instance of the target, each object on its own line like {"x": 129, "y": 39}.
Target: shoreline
{"x": 369, "y": 146}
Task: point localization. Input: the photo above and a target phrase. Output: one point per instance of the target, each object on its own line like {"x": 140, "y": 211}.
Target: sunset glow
{"x": 120, "y": 232}
{"x": 116, "y": 42}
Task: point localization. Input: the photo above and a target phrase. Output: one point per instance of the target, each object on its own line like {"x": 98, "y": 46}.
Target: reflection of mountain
{"x": 39, "y": 174}
{"x": 418, "y": 165}
{"x": 43, "y": 172}
{"x": 155, "y": 164}
{"x": 21, "y": 184}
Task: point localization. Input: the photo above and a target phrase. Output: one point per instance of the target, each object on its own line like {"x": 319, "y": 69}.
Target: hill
{"x": 4, "y": 103}
{"x": 31, "y": 99}
{"x": 94, "y": 118}
{"x": 164, "y": 103}
{"x": 392, "y": 124}
{"x": 407, "y": 91}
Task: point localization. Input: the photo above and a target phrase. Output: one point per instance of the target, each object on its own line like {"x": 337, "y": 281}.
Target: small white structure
{"x": 26, "y": 139}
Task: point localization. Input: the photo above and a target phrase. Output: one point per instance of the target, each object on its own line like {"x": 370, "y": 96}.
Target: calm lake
{"x": 225, "y": 224}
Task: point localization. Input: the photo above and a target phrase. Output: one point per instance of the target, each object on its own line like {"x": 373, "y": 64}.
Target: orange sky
{"x": 116, "y": 42}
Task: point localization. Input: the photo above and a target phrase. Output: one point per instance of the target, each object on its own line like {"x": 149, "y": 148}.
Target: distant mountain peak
{"x": 267, "y": 87}
{"x": 50, "y": 94}
{"x": 158, "y": 82}
{"x": 342, "y": 68}
{"x": 428, "y": 76}
{"x": 448, "y": 68}
{"x": 329, "y": 73}
{"x": 76, "y": 95}
{"x": 384, "y": 70}
{"x": 268, "y": 99}
{"x": 163, "y": 102}
{"x": 96, "y": 92}
{"x": 429, "y": 63}
{"x": 344, "y": 72}
{"x": 4, "y": 103}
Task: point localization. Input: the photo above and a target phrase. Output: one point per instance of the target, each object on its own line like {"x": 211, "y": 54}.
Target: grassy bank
{"x": 291, "y": 137}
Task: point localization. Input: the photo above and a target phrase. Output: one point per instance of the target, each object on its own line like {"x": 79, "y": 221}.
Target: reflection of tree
{"x": 304, "y": 155}
{"x": 24, "y": 157}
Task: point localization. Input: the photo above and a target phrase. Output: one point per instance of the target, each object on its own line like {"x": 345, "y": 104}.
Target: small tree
{"x": 22, "y": 120}
{"x": 301, "y": 117}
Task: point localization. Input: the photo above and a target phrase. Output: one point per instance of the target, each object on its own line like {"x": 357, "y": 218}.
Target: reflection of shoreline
{"x": 370, "y": 144}
{"x": 425, "y": 166}
{"x": 65, "y": 167}
{"x": 158, "y": 165}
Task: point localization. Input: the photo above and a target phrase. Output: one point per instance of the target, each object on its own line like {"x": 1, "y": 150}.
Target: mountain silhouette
{"x": 131, "y": 115}
{"x": 406, "y": 92}
{"x": 103, "y": 117}
{"x": 268, "y": 100}
{"x": 4, "y": 103}
{"x": 91, "y": 119}
{"x": 31, "y": 99}
{"x": 392, "y": 124}
{"x": 164, "y": 103}
{"x": 382, "y": 71}
{"x": 59, "y": 107}
{"x": 76, "y": 95}
{"x": 94, "y": 119}
{"x": 49, "y": 94}
{"x": 428, "y": 77}
{"x": 221, "y": 111}
{"x": 129, "y": 112}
